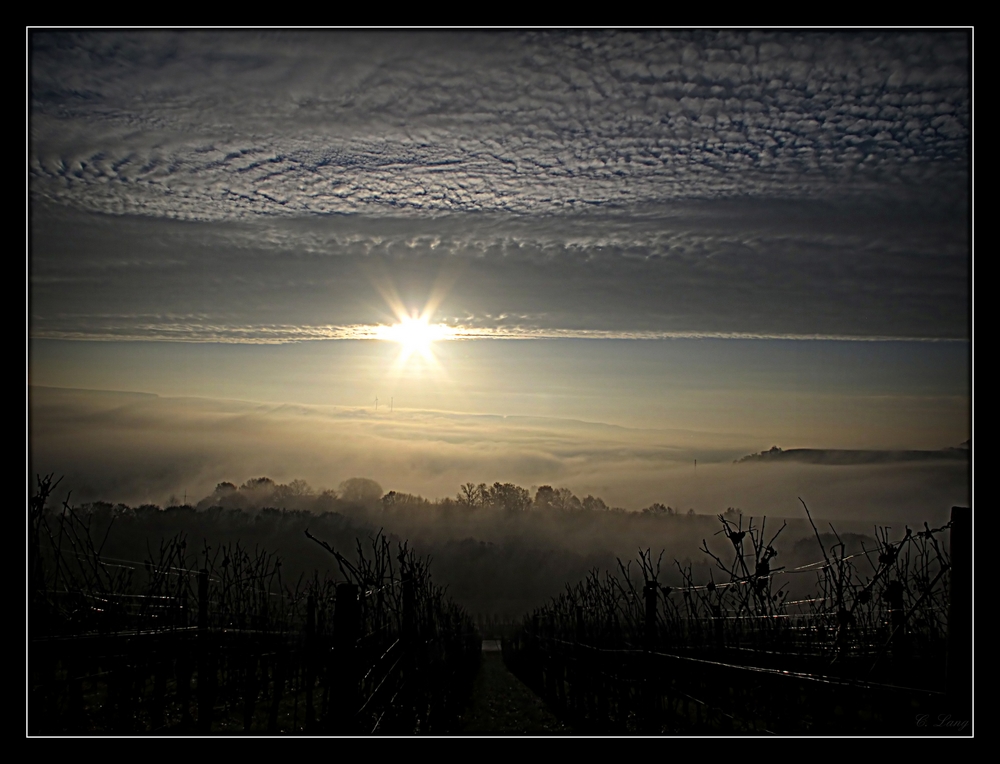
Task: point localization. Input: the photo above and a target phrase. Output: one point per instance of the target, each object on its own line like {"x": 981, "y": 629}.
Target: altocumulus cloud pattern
{"x": 215, "y": 126}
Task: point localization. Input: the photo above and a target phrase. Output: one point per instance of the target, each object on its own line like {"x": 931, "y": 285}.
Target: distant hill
{"x": 834, "y": 456}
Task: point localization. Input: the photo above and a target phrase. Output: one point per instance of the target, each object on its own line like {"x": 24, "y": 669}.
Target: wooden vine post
{"x": 346, "y": 625}
{"x": 310, "y": 659}
{"x": 650, "y": 698}
{"x": 959, "y": 660}
{"x": 205, "y": 667}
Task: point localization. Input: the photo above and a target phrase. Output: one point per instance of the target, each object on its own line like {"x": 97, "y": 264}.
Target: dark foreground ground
{"x": 503, "y": 705}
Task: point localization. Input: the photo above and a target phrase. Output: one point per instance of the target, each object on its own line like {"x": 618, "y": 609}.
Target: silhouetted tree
{"x": 258, "y": 484}
{"x": 561, "y": 499}
{"x": 360, "y": 491}
{"x": 471, "y": 495}
{"x": 509, "y": 497}
{"x": 657, "y": 509}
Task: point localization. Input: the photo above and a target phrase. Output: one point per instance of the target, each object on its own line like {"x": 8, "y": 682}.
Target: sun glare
{"x": 413, "y": 331}
{"x": 416, "y": 335}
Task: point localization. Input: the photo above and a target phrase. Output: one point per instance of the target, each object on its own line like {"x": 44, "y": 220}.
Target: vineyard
{"x": 210, "y": 640}
{"x": 214, "y": 641}
{"x": 867, "y": 643}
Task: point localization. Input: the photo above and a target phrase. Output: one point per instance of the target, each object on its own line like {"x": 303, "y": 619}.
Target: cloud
{"x": 742, "y": 268}
{"x": 228, "y": 126}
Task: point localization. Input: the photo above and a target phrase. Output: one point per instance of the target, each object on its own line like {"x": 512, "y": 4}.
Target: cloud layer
{"x": 744, "y": 268}
{"x": 221, "y": 126}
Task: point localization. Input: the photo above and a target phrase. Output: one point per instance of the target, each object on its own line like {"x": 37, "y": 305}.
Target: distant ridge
{"x": 836, "y": 456}
{"x": 90, "y": 391}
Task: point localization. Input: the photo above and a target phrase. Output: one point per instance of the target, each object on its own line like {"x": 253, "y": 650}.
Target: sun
{"x": 413, "y": 330}
{"x": 416, "y": 335}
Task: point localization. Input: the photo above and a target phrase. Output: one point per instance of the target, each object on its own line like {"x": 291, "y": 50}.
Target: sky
{"x": 638, "y": 248}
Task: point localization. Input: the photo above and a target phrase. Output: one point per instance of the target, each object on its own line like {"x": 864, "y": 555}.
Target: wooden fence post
{"x": 718, "y": 623}
{"x": 580, "y": 679}
{"x": 250, "y": 686}
{"x": 76, "y": 668}
{"x": 278, "y": 688}
{"x": 310, "y": 660}
{"x": 161, "y": 667}
{"x": 897, "y": 619}
{"x": 202, "y": 600}
{"x": 650, "y": 696}
{"x": 530, "y": 655}
{"x": 205, "y": 682}
{"x": 959, "y": 657}
{"x": 547, "y": 663}
{"x": 649, "y": 593}
{"x": 184, "y": 671}
{"x": 409, "y": 610}
{"x": 346, "y": 625}
{"x": 410, "y": 639}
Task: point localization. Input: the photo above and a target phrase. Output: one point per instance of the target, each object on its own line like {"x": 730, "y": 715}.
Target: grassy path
{"x": 503, "y": 705}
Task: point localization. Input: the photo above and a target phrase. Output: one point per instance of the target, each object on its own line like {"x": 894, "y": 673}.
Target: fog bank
{"x": 135, "y": 448}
